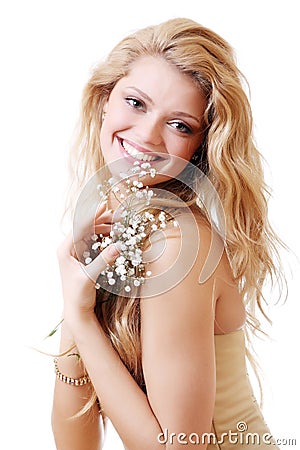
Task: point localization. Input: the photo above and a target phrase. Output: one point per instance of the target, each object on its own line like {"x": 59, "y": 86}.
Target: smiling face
{"x": 153, "y": 114}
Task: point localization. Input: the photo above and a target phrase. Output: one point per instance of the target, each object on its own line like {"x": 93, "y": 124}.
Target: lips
{"x": 137, "y": 152}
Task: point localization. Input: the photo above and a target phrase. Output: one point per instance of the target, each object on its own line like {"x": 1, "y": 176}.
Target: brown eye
{"x": 180, "y": 126}
{"x": 134, "y": 103}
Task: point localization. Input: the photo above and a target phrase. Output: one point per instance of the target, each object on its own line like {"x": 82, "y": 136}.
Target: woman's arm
{"x": 121, "y": 398}
{"x": 178, "y": 346}
{"x": 85, "y": 432}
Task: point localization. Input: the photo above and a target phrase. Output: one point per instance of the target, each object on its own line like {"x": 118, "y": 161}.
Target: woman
{"x": 167, "y": 363}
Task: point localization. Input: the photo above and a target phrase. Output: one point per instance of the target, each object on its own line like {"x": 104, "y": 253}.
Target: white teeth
{"x": 135, "y": 154}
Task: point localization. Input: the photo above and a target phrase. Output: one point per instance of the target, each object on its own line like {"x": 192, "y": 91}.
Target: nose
{"x": 149, "y": 131}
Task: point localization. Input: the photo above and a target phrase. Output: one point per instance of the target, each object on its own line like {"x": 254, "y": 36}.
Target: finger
{"x": 105, "y": 217}
{"x": 107, "y": 256}
{"x": 83, "y": 224}
{"x": 101, "y": 208}
{"x": 71, "y": 248}
{"x": 102, "y": 229}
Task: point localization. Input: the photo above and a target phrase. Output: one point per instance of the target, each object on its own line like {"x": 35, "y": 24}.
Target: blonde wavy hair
{"x": 229, "y": 158}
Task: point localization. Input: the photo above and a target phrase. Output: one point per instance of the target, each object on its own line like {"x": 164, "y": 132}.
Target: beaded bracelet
{"x": 68, "y": 380}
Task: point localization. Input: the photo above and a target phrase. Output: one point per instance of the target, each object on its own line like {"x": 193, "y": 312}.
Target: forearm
{"x": 121, "y": 398}
{"x": 80, "y": 433}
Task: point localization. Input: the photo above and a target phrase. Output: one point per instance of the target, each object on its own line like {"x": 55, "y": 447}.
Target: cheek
{"x": 184, "y": 148}
{"x": 118, "y": 116}
{"x": 112, "y": 124}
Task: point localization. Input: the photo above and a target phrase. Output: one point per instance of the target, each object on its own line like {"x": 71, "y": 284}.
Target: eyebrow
{"x": 149, "y": 99}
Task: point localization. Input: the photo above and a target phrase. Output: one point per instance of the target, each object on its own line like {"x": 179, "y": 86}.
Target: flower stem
{"x": 54, "y": 329}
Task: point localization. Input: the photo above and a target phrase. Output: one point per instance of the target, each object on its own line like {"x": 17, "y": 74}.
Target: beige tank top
{"x": 238, "y": 422}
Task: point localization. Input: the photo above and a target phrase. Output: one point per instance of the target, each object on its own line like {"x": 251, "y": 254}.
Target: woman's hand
{"x": 78, "y": 280}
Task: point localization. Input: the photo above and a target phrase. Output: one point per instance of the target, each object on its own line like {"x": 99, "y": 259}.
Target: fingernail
{"x": 114, "y": 249}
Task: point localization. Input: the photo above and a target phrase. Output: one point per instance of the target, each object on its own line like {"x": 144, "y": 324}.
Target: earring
{"x": 103, "y": 115}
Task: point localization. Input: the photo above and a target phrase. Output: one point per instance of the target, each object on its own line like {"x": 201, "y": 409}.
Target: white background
{"x": 47, "y": 49}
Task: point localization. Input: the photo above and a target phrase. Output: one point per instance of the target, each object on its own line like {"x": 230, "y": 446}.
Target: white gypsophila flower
{"x": 120, "y": 260}
{"x": 96, "y": 245}
{"x": 135, "y": 225}
{"x": 146, "y": 165}
{"x": 139, "y": 194}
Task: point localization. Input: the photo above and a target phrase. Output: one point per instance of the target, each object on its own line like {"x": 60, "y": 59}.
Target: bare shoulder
{"x": 189, "y": 264}
{"x": 193, "y": 245}
{"x": 182, "y": 262}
